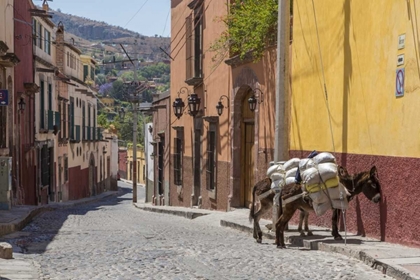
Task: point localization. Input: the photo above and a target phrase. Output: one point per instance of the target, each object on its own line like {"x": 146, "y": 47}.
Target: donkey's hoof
{"x": 281, "y": 247}
{"x": 338, "y": 237}
{"x": 302, "y": 233}
{"x": 259, "y": 240}
{"x": 310, "y": 233}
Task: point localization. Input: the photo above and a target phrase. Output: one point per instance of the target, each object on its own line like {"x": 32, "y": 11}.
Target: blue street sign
{"x": 4, "y": 97}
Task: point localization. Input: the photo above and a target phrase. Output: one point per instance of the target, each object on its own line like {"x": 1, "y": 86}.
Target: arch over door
{"x": 247, "y": 158}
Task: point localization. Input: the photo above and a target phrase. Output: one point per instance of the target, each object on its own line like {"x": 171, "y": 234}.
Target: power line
{"x": 136, "y": 13}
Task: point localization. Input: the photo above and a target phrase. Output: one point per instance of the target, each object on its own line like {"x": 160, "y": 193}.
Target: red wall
{"x": 24, "y": 74}
{"x": 395, "y": 218}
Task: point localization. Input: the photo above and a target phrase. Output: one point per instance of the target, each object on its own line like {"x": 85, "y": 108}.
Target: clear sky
{"x": 147, "y": 17}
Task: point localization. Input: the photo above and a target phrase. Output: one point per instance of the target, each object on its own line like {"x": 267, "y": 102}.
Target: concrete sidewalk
{"x": 397, "y": 261}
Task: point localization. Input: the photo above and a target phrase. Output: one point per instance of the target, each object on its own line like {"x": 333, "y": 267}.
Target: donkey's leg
{"x": 265, "y": 206}
{"x": 301, "y": 219}
{"x": 309, "y": 233}
{"x": 280, "y": 226}
{"x": 334, "y": 219}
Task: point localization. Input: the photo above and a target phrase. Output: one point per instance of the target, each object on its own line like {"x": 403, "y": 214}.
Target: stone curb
{"x": 396, "y": 272}
{"x": 23, "y": 222}
{"x": 185, "y": 214}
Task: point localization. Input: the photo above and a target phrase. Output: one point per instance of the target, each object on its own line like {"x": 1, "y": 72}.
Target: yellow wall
{"x": 359, "y": 47}
{"x": 140, "y": 165}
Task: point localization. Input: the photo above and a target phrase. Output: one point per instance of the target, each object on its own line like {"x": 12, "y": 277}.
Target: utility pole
{"x": 135, "y": 101}
{"x": 282, "y": 90}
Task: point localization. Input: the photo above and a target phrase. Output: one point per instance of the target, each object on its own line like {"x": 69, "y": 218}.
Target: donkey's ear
{"x": 373, "y": 171}
{"x": 342, "y": 171}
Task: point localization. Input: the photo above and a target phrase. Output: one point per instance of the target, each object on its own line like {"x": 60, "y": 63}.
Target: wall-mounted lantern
{"x": 150, "y": 129}
{"x": 219, "y": 106}
{"x": 193, "y": 103}
{"x": 253, "y": 100}
{"x": 22, "y": 104}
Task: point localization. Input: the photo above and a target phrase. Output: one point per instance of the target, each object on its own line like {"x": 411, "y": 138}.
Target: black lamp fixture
{"x": 22, "y": 104}
{"x": 193, "y": 103}
{"x": 122, "y": 113}
{"x": 150, "y": 129}
{"x": 219, "y": 106}
{"x": 253, "y": 100}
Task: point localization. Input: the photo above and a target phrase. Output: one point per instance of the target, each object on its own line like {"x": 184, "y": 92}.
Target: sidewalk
{"x": 397, "y": 261}
{"x": 16, "y": 219}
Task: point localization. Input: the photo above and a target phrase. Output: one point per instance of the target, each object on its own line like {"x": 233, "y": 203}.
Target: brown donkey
{"x": 366, "y": 182}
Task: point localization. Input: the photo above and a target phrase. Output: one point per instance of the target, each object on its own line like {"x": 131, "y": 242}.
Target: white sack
{"x": 324, "y": 157}
{"x": 291, "y": 163}
{"x": 291, "y": 172}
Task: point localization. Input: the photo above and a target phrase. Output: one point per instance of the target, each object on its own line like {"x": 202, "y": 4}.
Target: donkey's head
{"x": 370, "y": 186}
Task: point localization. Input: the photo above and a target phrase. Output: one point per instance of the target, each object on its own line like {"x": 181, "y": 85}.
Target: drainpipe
{"x": 282, "y": 89}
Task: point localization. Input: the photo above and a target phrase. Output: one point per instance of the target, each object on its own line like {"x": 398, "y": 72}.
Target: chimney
{"x": 59, "y": 41}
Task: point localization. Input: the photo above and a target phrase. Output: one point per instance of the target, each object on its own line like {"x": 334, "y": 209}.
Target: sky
{"x": 147, "y": 17}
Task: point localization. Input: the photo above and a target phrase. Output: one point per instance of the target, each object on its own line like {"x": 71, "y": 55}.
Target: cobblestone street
{"x": 111, "y": 239}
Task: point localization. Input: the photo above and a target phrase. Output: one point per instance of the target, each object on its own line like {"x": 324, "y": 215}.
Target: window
{"x": 92, "y": 73}
{"x": 194, "y": 43}
{"x": 66, "y": 169}
{"x": 211, "y": 157}
{"x": 50, "y": 97}
{"x": 42, "y": 105}
{"x": 71, "y": 118}
{"x": 47, "y": 42}
{"x": 178, "y": 159}
{"x": 83, "y": 121}
{"x": 45, "y": 165}
{"x": 39, "y": 35}
{"x": 34, "y": 35}
{"x": 68, "y": 59}
{"x": 85, "y": 72}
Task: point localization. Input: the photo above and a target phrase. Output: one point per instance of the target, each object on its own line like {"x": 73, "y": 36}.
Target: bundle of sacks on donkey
{"x": 318, "y": 177}
{"x": 320, "y": 180}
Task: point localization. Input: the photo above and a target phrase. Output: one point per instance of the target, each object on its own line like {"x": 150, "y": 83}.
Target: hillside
{"x": 101, "y": 39}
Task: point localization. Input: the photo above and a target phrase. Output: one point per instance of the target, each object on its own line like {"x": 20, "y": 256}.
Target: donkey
{"x": 366, "y": 182}
{"x": 267, "y": 202}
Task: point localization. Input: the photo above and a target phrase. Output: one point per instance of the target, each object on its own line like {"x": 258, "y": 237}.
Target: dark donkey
{"x": 350, "y": 182}
{"x": 366, "y": 182}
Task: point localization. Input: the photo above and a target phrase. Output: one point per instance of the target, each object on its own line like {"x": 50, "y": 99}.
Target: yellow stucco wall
{"x": 141, "y": 163}
{"x": 359, "y": 46}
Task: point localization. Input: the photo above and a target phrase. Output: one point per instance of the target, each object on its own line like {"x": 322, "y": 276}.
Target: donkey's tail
{"x": 251, "y": 211}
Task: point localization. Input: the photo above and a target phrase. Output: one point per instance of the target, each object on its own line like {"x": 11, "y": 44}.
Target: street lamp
{"x": 21, "y": 104}
{"x": 253, "y": 100}
{"x": 193, "y": 103}
{"x": 219, "y": 106}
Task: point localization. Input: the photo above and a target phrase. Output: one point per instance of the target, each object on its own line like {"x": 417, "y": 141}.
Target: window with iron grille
{"x": 194, "y": 43}
{"x": 47, "y": 42}
{"x": 178, "y": 159}
{"x": 71, "y": 119}
{"x": 211, "y": 160}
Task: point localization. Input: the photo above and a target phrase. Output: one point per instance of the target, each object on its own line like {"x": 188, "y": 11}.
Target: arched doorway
{"x": 243, "y": 148}
{"x": 247, "y": 157}
{"x": 92, "y": 189}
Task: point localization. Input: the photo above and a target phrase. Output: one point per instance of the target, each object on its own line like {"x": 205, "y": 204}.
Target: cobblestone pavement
{"x": 111, "y": 239}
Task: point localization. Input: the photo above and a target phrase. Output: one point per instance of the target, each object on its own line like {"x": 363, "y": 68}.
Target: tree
{"x": 251, "y": 26}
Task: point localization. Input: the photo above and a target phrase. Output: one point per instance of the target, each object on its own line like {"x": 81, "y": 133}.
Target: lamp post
{"x": 193, "y": 103}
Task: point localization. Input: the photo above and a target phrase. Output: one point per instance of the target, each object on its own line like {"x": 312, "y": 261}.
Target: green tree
{"x": 251, "y": 26}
